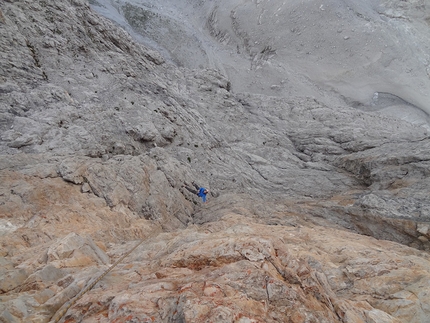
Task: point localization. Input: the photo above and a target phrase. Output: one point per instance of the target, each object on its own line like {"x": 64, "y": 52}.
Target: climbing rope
{"x": 63, "y": 309}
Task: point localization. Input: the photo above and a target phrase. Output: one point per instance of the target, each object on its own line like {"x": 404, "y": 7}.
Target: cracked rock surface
{"x": 317, "y": 212}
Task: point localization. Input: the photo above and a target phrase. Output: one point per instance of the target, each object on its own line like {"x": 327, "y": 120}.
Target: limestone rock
{"x": 41, "y": 278}
{"x": 86, "y": 188}
{"x": 12, "y": 279}
{"x": 267, "y": 275}
{"x": 375, "y": 316}
{"x": 335, "y": 52}
{"x": 75, "y": 251}
{"x": 318, "y": 212}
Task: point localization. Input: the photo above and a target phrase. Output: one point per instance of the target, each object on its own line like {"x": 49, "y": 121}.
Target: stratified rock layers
{"x": 316, "y": 214}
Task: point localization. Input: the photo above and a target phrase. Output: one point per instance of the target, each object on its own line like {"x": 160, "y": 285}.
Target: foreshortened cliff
{"x": 317, "y": 212}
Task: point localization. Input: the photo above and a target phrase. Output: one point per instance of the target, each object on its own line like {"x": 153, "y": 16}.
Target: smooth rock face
{"x": 316, "y": 213}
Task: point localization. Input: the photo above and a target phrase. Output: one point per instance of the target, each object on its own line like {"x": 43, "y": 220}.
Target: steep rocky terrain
{"x": 319, "y": 212}
{"x": 371, "y": 54}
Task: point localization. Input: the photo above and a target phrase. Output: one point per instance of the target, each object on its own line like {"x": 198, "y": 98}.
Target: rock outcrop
{"x": 373, "y": 55}
{"x": 317, "y": 212}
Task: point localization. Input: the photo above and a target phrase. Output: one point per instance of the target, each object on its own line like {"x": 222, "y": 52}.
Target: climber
{"x": 199, "y": 191}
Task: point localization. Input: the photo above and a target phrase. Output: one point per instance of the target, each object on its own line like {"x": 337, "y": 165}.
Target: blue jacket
{"x": 202, "y": 194}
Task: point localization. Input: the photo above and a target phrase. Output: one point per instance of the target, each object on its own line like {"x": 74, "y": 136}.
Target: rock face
{"x": 317, "y": 212}
{"x": 371, "y": 54}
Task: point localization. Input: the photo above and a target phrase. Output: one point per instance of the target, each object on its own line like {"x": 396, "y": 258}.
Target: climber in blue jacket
{"x": 199, "y": 191}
